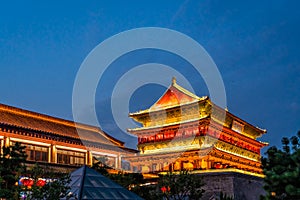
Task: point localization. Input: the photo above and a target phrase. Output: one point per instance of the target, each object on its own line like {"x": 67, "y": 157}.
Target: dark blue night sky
{"x": 255, "y": 45}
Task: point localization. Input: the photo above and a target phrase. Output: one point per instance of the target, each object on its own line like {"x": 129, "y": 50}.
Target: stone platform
{"x": 237, "y": 185}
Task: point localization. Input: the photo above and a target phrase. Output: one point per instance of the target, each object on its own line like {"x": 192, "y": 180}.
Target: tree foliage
{"x": 12, "y": 165}
{"x": 170, "y": 186}
{"x": 127, "y": 180}
{"x": 100, "y": 166}
{"x": 55, "y": 189}
{"x": 181, "y": 186}
{"x": 282, "y": 170}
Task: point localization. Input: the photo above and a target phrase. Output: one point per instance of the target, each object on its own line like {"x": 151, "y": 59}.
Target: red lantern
{"x": 218, "y": 165}
{"x": 31, "y": 182}
{"x": 25, "y": 182}
{"x": 163, "y": 189}
{"x": 40, "y": 183}
{"x": 28, "y": 182}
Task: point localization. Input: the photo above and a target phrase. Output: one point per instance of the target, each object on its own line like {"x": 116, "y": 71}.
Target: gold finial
{"x": 173, "y": 80}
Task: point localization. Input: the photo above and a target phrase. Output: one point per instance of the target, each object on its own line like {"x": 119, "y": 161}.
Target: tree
{"x": 181, "y": 186}
{"x": 100, "y": 166}
{"x": 282, "y": 170}
{"x": 131, "y": 181}
{"x": 170, "y": 186}
{"x": 56, "y": 188}
{"x": 12, "y": 165}
{"x": 127, "y": 180}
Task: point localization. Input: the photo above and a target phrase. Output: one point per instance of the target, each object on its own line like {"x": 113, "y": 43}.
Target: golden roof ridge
{"x": 24, "y": 112}
{"x": 181, "y": 89}
{"x": 56, "y": 120}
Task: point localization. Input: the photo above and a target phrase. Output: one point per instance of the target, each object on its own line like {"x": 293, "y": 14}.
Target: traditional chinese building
{"x": 55, "y": 142}
{"x": 184, "y": 131}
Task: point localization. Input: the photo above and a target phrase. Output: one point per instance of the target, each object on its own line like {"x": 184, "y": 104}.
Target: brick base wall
{"x": 237, "y": 185}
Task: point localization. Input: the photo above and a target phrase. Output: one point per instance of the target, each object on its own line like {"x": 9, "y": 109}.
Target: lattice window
{"x": 70, "y": 157}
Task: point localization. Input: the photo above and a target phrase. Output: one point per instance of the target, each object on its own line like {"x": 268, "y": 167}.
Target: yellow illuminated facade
{"x": 184, "y": 131}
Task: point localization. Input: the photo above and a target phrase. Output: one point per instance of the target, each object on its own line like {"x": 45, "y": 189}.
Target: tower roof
{"x": 174, "y": 96}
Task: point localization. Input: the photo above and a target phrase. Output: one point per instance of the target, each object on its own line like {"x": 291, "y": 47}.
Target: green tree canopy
{"x": 12, "y": 165}
{"x": 52, "y": 190}
{"x": 170, "y": 186}
{"x": 181, "y": 186}
{"x": 282, "y": 170}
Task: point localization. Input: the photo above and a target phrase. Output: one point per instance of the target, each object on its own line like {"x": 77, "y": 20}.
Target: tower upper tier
{"x": 178, "y": 105}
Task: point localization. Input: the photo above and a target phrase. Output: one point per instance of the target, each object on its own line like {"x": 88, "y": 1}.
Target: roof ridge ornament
{"x": 173, "y": 80}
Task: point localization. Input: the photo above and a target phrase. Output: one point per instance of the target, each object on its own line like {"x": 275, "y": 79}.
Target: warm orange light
{"x": 273, "y": 194}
